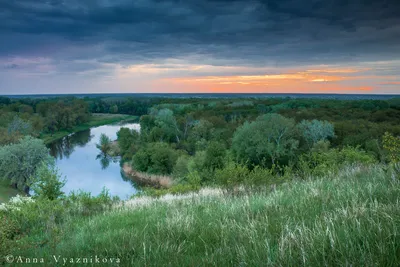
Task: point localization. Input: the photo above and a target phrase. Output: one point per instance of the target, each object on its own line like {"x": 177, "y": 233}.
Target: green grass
{"x": 352, "y": 219}
{"x": 97, "y": 119}
{"x": 6, "y": 191}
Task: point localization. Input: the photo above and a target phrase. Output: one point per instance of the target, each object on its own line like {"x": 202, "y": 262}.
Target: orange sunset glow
{"x": 312, "y": 80}
{"x": 53, "y": 47}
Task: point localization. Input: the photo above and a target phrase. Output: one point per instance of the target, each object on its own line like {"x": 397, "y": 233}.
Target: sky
{"x": 208, "y": 46}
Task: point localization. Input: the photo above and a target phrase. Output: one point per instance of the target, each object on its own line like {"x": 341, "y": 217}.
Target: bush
{"x": 47, "y": 182}
{"x": 34, "y": 215}
{"x": 181, "y": 168}
{"x": 215, "y": 156}
{"x": 392, "y": 145}
{"x": 156, "y": 158}
{"x": 9, "y": 231}
{"x": 321, "y": 162}
{"x": 141, "y": 161}
{"x": 260, "y": 177}
{"x": 83, "y": 203}
{"x": 232, "y": 175}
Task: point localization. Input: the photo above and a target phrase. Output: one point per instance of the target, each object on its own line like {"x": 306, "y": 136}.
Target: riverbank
{"x": 157, "y": 181}
{"x": 98, "y": 119}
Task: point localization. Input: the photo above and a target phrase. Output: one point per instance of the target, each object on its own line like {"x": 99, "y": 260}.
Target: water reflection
{"x": 106, "y": 159}
{"x": 85, "y": 168}
{"x": 66, "y": 146}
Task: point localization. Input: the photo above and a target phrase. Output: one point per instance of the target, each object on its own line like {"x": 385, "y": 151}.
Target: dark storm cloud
{"x": 244, "y": 31}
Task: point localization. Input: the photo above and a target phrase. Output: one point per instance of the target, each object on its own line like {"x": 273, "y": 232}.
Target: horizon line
{"x": 197, "y": 93}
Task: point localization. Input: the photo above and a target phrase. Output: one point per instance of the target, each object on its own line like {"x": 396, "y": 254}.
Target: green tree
{"x": 167, "y": 122}
{"x": 181, "y": 168}
{"x": 270, "y": 137}
{"x": 392, "y": 145}
{"x": 141, "y": 160}
{"x": 105, "y": 144}
{"x": 19, "y": 127}
{"x": 47, "y": 182}
{"x": 128, "y": 142}
{"x": 215, "y": 156}
{"x": 315, "y": 131}
{"x": 156, "y": 158}
{"x": 114, "y": 109}
{"x": 18, "y": 162}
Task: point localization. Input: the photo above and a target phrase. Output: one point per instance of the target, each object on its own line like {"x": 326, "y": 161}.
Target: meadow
{"x": 351, "y": 218}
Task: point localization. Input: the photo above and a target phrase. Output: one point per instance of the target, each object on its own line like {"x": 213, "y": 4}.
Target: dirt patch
{"x": 158, "y": 181}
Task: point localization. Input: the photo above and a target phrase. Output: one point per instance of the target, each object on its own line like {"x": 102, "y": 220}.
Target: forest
{"x": 242, "y": 152}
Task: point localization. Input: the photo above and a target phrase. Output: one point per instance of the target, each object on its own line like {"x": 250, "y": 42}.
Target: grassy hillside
{"x": 350, "y": 219}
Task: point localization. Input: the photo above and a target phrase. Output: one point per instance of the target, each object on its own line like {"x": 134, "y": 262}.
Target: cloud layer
{"x": 134, "y": 44}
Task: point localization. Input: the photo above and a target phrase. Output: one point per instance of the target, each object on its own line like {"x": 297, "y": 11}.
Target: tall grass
{"x": 350, "y": 219}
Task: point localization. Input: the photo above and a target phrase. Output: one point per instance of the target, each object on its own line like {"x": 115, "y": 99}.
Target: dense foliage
{"x": 301, "y": 181}
{"x": 203, "y": 136}
{"x": 19, "y": 161}
{"x": 37, "y": 116}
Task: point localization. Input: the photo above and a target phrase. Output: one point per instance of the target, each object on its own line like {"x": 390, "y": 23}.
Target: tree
{"x": 181, "y": 169}
{"x": 128, "y": 141}
{"x": 166, "y": 121}
{"x": 18, "y": 162}
{"x": 392, "y": 145}
{"x": 19, "y": 127}
{"x": 114, "y": 109}
{"x": 156, "y": 158}
{"x": 315, "y": 131}
{"x": 141, "y": 160}
{"x": 105, "y": 143}
{"x": 47, "y": 182}
{"x": 271, "y": 136}
{"x": 215, "y": 156}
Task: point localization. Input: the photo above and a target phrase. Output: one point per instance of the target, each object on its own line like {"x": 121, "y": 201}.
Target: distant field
{"x": 220, "y": 95}
{"x": 96, "y": 120}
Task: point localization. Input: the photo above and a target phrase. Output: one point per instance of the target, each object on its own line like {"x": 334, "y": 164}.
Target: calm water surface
{"x": 85, "y": 168}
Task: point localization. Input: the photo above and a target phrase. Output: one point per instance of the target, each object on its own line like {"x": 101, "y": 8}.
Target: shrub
{"x": 232, "y": 175}
{"x": 47, "y": 182}
{"x": 321, "y": 162}
{"x": 181, "y": 168}
{"x": 392, "y": 145}
{"x": 260, "y": 177}
{"x": 215, "y": 156}
{"x": 156, "y": 158}
{"x": 84, "y": 203}
{"x": 34, "y": 215}
{"x": 9, "y": 231}
{"x": 141, "y": 160}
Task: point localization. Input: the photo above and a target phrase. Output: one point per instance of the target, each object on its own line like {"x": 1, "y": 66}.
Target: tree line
{"x": 37, "y": 116}
{"x": 199, "y": 139}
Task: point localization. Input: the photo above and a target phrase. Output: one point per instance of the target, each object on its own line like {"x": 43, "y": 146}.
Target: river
{"x": 85, "y": 168}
